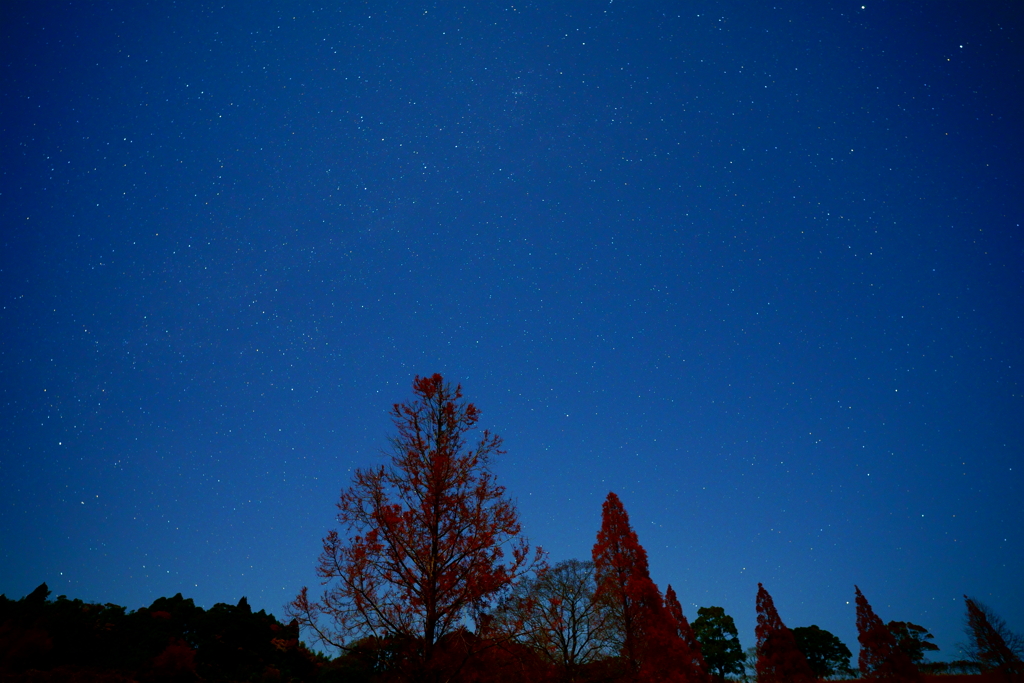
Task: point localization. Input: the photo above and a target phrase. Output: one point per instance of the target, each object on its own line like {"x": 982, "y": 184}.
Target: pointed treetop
{"x": 618, "y": 547}
{"x": 779, "y": 660}
{"x": 879, "y": 656}
{"x": 692, "y": 660}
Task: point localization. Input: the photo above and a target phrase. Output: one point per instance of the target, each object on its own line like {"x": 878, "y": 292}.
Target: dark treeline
{"x": 171, "y": 640}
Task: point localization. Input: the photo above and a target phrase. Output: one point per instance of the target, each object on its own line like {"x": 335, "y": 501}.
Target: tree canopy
{"x": 826, "y": 654}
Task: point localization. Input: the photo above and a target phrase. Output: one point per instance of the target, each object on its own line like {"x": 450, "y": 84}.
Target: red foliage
{"x": 880, "y": 658}
{"x": 622, "y": 573}
{"x": 692, "y": 664}
{"x": 426, "y": 534}
{"x": 651, "y": 644}
{"x": 779, "y": 660}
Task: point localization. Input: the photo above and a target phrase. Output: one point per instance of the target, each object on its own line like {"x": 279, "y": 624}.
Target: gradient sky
{"x": 758, "y": 268}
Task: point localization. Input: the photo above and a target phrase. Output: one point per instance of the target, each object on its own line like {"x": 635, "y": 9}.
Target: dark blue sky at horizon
{"x": 756, "y": 268}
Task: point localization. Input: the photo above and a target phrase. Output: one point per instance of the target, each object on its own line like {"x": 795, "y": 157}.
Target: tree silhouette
{"x": 991, "y": 644}
{"x": 171, "y": 640}
{"x": 826, "y": 654}
{"x": 428, "y": 537}
{"x": 912, "y": 639}
{"x": 880, "y": 658}
{"x": 719, "y": 642}
{"x": 778, "y": 658}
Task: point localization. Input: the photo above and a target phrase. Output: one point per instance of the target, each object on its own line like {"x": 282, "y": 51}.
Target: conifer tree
{"x": 692, "y": 664}
{"x": 622, "y": 572}
{"x": 651, "y": 646}
{"x": 779, "y": 660}
{"x": 880, "y": 658}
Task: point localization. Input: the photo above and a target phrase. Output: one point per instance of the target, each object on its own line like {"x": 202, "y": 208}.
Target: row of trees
{"x": 431, "y": 579}
{"x": 171, "y": 640}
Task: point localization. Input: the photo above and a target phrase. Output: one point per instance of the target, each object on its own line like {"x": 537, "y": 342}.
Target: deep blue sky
{"x": 758, "y": 269}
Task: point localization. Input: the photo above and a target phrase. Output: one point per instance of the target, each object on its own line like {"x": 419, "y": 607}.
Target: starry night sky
{"x": 757, "y": 268}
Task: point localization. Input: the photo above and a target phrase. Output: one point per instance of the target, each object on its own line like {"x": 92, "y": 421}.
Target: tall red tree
{"x": 424, "y": 536}
{"x": 880, "y": 658}
{"x": 779, "y": 660}
{"x": 692, "y": 663}
{"x": 651, "y": 645}
{"x": 620, "y": 563}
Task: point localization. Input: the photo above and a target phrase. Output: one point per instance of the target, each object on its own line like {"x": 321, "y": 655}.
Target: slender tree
{"x": 779, "y": 660}
{"x": 692, "y": 664}
{"x": 651, "y": 646}
{"x": 880, "y": 658}
{"x": 991, "y": 644}
{"x": 622, "y": 572}
{"x": 428, "y": 538}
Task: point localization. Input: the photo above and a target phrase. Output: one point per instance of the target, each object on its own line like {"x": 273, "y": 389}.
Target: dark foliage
{"x": 826, "y": 654}
{"x": 719, "y": 642}
{"x": 171, "y": 640}
{"x": 914, "y": 640}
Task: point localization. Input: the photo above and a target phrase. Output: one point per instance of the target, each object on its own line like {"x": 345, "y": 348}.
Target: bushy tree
{"x": 991, "y": 644}
{"x": 826, "y": 654}
{"x": 880, "y": 658}
{"x": 778, "y": 658}
{"x": 719, "y": 642}
{"x": 428, "y": 538}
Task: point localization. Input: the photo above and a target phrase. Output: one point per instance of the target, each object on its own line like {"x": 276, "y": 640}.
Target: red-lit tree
{"x": 428, "y": 538}
{"x": 620, "y": 563}
{"x": 651, "y": 646}
{"x": 880, "y": 658}
{"x": 987, "y": 644}
{"x": 779, "y": 660}
{"x": 692, "y": 663}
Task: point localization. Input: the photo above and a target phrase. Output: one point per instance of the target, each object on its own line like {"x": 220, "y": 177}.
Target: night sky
{"x": 757, "y": 269}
